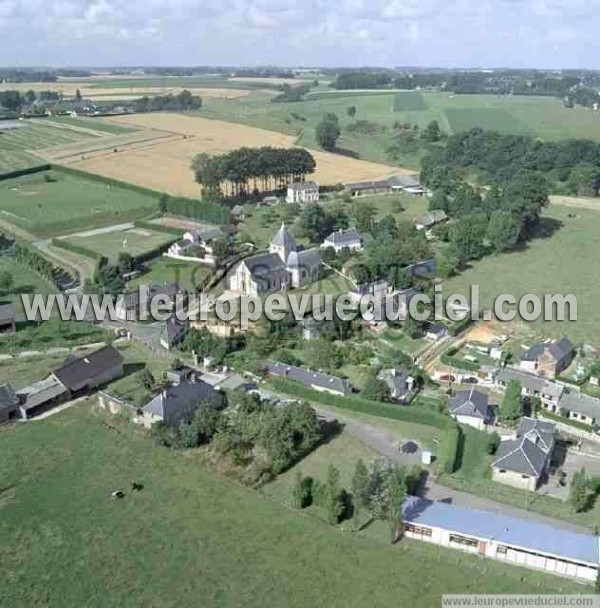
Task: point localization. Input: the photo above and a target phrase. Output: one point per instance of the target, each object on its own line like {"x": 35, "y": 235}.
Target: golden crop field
{"x": 164, "y": 164}
{"x": 89, "y": 91}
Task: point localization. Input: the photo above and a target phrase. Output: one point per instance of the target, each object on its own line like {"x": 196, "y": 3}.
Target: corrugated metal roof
{"x": 506, "y": 529}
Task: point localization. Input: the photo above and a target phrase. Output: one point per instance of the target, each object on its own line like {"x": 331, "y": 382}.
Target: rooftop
{"x": 470, "y": 403}
{"x": 75, "y": 372}
{"x": 303, "y": 186}
{"x": 308, "y": 377}
{"x": 531, "y": 382}
{"x": 512, "y": 531}
{"x": 344, "y": 237}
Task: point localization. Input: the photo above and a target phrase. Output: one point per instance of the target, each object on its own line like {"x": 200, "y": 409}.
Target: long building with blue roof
{"x": 493, "y": 535}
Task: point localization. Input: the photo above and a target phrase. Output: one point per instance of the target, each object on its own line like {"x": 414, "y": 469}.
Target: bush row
{"x": 21, "y": 172}
{"x": 78, "y": 249}
{"x": 157, "y": 227}
{"x": 447, "y": 457}
{"x": 207, "y": 211}
{"x": 357, "y": 404}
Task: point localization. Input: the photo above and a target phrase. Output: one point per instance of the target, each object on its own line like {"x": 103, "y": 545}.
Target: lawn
{"x": 191, "y": 538}
{"x": 18, "y": 145}
{"x": 564, "y": 259}
{"x": 26, "y": 281}
{"x": 94, "y": 124}
{"x": 489, "y": 119}
{"x": 409, "y": 100}
{"x": 22, "y": 371}
{"x": 166, "y": 270}
{"x": 134, "y": 241}
{"x": 68, "y": 203}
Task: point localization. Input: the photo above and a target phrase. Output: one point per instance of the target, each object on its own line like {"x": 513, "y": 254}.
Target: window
{"x": 463, "y": 540}
{"x": 419, "y": 530}
{"x": 501, "y": 550}
{"x": 524, "y": 476}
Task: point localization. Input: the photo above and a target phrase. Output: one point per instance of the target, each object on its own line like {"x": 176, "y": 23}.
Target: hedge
{"x": 447, "y": 457}
{"x": 568, "y": 421}
{"x": 448, "y": 358}
{"x": 153, "y": 253}
{"x": 357, "y": 404}
{"x": 208, "y": 211}
{"x": 79, "y": 249}
{"x": 21, "y": 172}
{"x": 157, "y": 227}
{"x": 579, "y": 382}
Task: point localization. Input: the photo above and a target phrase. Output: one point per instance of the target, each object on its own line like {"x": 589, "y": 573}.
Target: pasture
{"x": 166, "y": 270}
{"x": 134, "y": 241}
{"x": 408, "y": 100}
{"x": 189, "y": 534}
{"x": 25, "y": 281}
{"x": 51, "y": 203}
{"x": 563, "y": 259}
{"x": 165, "y": 164}
{"x": 489, "y": 119}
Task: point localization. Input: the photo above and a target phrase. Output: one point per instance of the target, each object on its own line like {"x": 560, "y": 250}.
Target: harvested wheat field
{"x": 165, "y": 164}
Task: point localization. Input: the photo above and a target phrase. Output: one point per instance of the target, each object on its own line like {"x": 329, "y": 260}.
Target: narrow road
{"x": 385, "y": 442}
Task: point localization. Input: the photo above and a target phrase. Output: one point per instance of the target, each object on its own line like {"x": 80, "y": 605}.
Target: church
{"x": 286, "y": 266}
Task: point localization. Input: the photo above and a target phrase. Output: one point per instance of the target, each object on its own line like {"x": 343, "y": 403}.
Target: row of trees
{"x": 376, "y": 493}
{"x": 241, "y": 171}
{"x": 181, "y": 101}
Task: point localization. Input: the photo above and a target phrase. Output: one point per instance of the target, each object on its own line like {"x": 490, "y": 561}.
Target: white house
{"x": 302, "y": 192}
{"x": 343, "y": 239}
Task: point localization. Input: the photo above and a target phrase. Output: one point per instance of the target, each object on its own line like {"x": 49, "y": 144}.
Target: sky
{"x": 447, "y": 33}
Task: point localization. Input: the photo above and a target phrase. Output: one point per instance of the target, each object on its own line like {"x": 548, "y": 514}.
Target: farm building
{"x": 522, "y": 462}
{"x": 471, "y": 407}
{"x": 177, "y": 404}
{"x": 9, "y": 403}
{"x": 343, "y": 239}
{"x": 85, "y": 373}
{"x": 7, "y": 318}
{"x": 548, "y": 359}
{"x": 398, "y": 184}
{"x": 41, "y": 396}
{"x": 367, "y": 188}
{"x": 302, "y": 192}
{"x": 407, "y": 184}
{"x": 315, "y": 380}
{"x": 502, "y": 537}
{"x": 286, "y": 265}
{"x": 429, "y": 219}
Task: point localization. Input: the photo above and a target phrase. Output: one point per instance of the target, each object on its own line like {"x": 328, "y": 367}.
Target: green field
{"x": 134, "y": 241}
{"x": 204, "y": 81}
{"x": 93, "y": 123}
{"x": 563, "y": 261}
{"x": 408, "y": 100}
{"x": 165, "y": 270}
{"x": 70, "y": 203}
{"x": 489, "y": 119}
{"x": 26, "y": 281}
{"x": 189, "y": 538}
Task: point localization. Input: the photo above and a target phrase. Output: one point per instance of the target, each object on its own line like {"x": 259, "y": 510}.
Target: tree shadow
{"x": 346, "y": 152}
{"x": 132, "y": 368}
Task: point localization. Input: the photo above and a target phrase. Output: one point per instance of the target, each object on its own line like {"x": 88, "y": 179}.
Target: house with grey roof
{"x": 177, "y": 404}
{"x": 548, "y": 359}
{"x": 174, "y": 332}
{"x": 400, "y": 383}
{"x": 579, "y": 406}
{"x": 550, "y": 548}
{"x": 302, "y": 193}
{"x": 429, "y": 219}
{"x": 368, "y": 188}
{"x": 286, "y": 265}
{"x": 315, "y": 380}
{"x": 7, "y": 318}
{"x": 471, "y": 407}
{"x": 532, "y": 385}
{"x": 523, "y": 461}
{"x": 9, "y": 403}
{"x": 339, "y": 240}
{"x": 406, "y": 184}
{"x": 41, "y": 396}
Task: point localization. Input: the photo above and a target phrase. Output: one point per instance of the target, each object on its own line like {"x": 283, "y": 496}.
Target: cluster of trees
{"x": 583, "y": 491}
{"x": 395, "y": 245}
{"x": 375, "y": 493}
{"x": 316, "y": 223}
{"x": 574, "y": 163}
{"x": 511, "y": 407}
{"x": 256, "y": 435}
{"x": 328, "y": 131}
{"x": 31, "y": 258}
{"x": 291, "y": 93}
{"x": 206, "y": 210}
{"x": 204, "y": 344}
{"x": 363, "y": 80}
{"x": 181, "y": 101}
{"x": 241, "y": 171}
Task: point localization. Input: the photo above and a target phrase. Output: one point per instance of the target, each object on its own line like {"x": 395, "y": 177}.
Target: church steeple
{"x": 283, "y": 243}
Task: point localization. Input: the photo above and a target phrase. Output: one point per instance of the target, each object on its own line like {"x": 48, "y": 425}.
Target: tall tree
{"x": 360, "y": 489}
{"x": 510, "y": 410}
{"x": 328, "y": 131}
